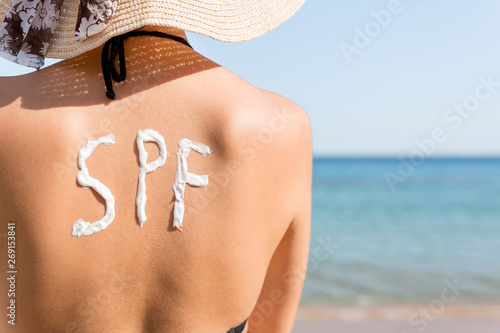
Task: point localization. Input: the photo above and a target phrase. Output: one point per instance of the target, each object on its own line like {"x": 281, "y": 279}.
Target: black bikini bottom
{"x": 238, "y": 329}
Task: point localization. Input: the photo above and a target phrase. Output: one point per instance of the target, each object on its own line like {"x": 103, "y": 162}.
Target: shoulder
{"x": 8, "y": 87}
{"x": 10, "y": 109}
{"x": 270, "y": 136}
{"x": 256, "y": 120}
{"x": 13, "y": 92}
{"x": 274, "y": 125}
{"x": 29, "y": 136}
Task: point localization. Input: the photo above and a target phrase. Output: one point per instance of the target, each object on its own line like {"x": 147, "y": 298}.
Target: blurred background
{"x": 404, "y": 102}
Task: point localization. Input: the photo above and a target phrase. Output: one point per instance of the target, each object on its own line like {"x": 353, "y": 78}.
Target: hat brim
{"x": 223, "y": 20}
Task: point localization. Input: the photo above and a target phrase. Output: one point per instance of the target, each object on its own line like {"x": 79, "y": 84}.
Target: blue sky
{"x": 408, "y": 78}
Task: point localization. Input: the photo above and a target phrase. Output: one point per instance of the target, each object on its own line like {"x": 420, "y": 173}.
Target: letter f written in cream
{"x": 183, "y": 177}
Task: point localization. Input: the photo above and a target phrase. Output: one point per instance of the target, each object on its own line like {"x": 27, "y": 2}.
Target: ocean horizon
{"x": 386, "y": 231}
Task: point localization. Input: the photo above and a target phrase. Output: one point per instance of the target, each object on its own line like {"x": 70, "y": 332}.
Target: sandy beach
{"x": 471, "y": 318}
{"x": 439, "y": 326}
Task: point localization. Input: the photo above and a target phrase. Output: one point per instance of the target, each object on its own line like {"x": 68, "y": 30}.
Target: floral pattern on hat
{"x": 26, "y": 30}
{"x": 29, "y": 25}
{"x": 93, "y": 15}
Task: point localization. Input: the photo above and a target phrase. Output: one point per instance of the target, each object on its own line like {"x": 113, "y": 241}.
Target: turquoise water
{"x": 441, "y": 224}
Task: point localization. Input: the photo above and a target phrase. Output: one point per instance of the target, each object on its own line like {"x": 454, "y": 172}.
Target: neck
{"x": 150, "y": 60}
{"x": 167, "y": 30}
{"x": 148, "y": 45}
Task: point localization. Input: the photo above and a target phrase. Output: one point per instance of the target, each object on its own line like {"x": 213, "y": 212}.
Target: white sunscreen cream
{"x": 182, "y": 177}
{"x": 147, "y": 135}
{"x": 80, "y": 227}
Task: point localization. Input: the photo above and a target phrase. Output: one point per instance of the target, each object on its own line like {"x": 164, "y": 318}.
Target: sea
{"x": 395, "y": 230}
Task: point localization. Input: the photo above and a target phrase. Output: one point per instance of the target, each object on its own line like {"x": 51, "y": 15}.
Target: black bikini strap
{"x": 114, "y": 47}
{"x": 238, "y": 329}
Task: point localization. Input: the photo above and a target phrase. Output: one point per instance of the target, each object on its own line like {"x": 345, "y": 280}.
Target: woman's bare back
{"x": 153, "y": 278}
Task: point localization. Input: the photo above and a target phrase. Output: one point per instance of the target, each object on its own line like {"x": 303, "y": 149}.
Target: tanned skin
{"x": 244, "y": 246}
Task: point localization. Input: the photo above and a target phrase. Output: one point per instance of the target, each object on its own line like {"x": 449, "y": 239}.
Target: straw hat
{"x": 72, "y": 27}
